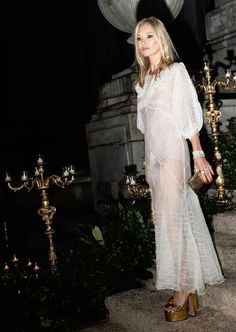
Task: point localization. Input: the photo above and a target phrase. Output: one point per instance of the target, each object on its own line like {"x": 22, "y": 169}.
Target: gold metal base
{"x": 226, "y": 203}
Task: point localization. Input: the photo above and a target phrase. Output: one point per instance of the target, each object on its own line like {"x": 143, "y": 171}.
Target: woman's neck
{"x": 154, "y": 65}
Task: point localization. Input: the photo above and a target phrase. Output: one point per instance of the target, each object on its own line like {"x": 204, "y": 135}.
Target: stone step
{"x": 104, "y": 326}
{"x": 218, "y": 296}
{"x": 226, "y": 250}
{"x": 141, "y": 310}
{"x": 225, "y": 222}
{"x": 222, "y": 296}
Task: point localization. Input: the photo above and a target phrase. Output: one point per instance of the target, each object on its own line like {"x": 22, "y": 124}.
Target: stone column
{"x": 113, "y": 138}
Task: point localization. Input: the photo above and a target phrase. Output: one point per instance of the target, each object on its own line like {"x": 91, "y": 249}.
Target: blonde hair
{"x": 168, "y": 51}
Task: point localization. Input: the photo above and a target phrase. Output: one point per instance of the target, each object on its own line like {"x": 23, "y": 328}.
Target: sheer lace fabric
{"x": 168, "y": 113}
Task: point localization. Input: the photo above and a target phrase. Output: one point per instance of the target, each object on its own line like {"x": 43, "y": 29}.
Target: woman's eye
{"x": 139, "y": 39}
{"x": 149, "y": 36}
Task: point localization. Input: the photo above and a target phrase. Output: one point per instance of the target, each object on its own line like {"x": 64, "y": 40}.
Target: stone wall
{"x": 221, "y": 52}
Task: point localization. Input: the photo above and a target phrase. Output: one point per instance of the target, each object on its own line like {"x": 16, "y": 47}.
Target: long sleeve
{"x": 185, "y": 105}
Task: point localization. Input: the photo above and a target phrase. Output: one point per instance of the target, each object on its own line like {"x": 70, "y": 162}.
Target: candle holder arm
{"x": 61, "y": 181}
{"x": 224, "y": 83}
{"x": 200, "y": 86}
{"x": 26, "y": 184}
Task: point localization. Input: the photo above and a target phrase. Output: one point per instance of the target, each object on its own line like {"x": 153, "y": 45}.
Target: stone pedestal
{"x": 221, "y": 36}
{"x": 112, "y": 136}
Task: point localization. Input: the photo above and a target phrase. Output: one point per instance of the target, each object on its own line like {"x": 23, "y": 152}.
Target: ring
{"x": 202, "y": 171}
{"x": 196, "y": 170}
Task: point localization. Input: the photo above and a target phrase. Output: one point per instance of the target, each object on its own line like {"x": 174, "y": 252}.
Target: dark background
{"x": 54, "y": 56}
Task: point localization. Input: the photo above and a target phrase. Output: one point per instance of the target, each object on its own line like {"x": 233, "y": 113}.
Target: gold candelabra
{"x": 213, "y": 115}
{"x": 137, "y": 189}
{"x": 42, "y": 183}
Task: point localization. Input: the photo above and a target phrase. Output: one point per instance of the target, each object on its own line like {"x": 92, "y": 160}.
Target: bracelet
{"x": 198, "y": 153}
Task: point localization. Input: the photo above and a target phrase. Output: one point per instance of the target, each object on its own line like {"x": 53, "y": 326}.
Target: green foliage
{"x": 102, "y": 259}
{"x": 228, "y": 148}
{"x": 129, "y": 239}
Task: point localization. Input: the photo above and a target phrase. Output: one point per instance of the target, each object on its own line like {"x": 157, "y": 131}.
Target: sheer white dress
{"x": 168, "y": 113}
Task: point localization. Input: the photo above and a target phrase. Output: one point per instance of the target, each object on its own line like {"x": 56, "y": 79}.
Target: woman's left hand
{"x": 202, "y": 166}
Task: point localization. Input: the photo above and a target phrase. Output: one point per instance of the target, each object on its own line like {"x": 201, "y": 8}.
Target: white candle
{"x": 40, "y": 159}
{"x": 36, "y": 172}
{"x": 127, "y": 180}
{"x": 132, "y": 180}
{"x": 234, "y": 78}
{"x": 66, "y": 173}
{"x": 24, "y": 176}
{"x": 8, "y": 177}
{"x": 206, "y": 66}
{"x": 228, "y": 73}
{"x": 72, "y": 169}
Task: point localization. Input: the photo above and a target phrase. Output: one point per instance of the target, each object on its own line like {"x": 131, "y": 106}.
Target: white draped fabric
{"x": 169, "y": 113}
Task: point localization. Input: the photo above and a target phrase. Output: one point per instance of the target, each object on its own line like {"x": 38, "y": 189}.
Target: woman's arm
{"x": 200, "y": 162}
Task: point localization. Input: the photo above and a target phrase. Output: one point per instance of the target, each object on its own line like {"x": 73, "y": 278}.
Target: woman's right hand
{"x": 202, "y": 166}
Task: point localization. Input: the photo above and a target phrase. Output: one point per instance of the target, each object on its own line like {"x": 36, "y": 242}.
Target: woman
{"x": 168, "y": 114}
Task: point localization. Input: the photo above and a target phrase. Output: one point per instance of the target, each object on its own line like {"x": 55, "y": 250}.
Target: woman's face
{"x": 147, "y": 41}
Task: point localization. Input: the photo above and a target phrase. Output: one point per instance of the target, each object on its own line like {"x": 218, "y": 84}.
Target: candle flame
{"x": 15, "y": 259}
{"x": 29, "y": 263}
{"x": 6, "y": 267}
{"x": 36, "y": 267}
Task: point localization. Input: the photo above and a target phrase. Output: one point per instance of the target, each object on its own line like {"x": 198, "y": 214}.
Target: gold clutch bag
{"x": 195, "y": 182}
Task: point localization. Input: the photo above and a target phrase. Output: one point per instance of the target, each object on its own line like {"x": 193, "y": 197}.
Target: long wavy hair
{"x": 168, "y": 51}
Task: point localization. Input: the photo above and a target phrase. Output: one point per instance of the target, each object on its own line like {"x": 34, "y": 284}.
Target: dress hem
{"x": 200, "y": 292}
